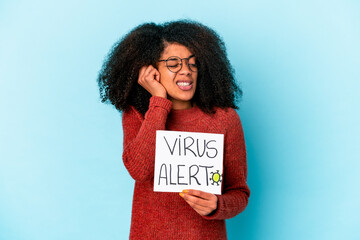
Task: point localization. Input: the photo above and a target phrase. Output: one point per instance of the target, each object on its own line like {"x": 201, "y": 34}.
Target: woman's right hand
{"x": 149, "y": 78}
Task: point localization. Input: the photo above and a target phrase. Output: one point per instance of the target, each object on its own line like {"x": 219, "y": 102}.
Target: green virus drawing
{"x": 216, "y": 177}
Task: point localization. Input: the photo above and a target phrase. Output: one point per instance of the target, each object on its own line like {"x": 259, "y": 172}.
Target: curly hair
{"x": 216, "y": 86}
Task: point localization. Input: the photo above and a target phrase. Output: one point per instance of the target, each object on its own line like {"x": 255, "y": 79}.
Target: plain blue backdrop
{"x": 61, "y": 172}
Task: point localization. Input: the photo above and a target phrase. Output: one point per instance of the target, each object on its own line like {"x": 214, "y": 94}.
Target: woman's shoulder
{"x": 226, "y": 114}
{"x": 228, "y": 117}
{"x": 131, "y": 114}
{"x": 228, "y": 111}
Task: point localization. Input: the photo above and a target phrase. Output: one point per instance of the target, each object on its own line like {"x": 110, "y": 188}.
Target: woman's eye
{"x": 173, "y": 66}
{"x": 172, "y": 63}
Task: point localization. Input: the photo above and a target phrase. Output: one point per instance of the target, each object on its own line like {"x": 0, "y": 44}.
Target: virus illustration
{"x": 216, "y": 177}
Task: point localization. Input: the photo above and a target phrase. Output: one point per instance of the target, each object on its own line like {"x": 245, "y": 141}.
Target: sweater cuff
{"x": 217, "y": 213}
{"x": 160, "y": 102}
{"x": 159, "y": 108}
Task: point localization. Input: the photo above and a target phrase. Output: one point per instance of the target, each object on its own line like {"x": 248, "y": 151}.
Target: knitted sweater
{"x": 165, "y": 215}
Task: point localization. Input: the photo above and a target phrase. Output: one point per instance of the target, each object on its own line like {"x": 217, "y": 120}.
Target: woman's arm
{"x": 140, "y": 137}
{"x": 236, "y": 192}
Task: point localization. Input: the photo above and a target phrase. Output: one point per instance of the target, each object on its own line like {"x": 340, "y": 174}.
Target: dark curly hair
{"x": 216, "y": 86}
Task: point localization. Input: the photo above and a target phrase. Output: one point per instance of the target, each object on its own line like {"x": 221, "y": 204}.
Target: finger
{"x": 197, "y": 201}
{"x": 157, "y": 75}
{"x": 142, "y": 73}
{"x": 154, "y": 74}
{"x": 199, "y": 209}
{"x": 148, "y": 70}
{"x": 200, "y": 194}
{"x": 150, "y": 76}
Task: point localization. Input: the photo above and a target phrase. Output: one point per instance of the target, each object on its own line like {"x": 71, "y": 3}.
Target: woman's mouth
{"x": 184, "y": 85}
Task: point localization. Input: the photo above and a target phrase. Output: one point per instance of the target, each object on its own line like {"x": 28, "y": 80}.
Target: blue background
{"x": 61, "y": 173}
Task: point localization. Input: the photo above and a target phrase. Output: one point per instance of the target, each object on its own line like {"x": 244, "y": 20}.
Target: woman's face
{"x": 180, "y": 86}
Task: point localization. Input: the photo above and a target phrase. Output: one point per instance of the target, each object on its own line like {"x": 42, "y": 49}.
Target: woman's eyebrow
{"x": 192, "y": 55}
{"x": 174, "y": 57}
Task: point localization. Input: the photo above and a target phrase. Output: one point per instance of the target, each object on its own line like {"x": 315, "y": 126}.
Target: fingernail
{"x": 185, "y": 191}
{"x": 181, "y": 194}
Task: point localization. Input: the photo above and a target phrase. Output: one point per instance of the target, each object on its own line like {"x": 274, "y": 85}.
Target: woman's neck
{"x": 181, "y": 105}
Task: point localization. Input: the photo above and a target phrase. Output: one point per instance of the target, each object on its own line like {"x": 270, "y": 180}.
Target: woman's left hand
{"x": 202, "y": 202}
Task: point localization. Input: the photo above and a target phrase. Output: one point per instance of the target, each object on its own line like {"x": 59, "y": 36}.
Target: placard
{"x": 188, "y": 160}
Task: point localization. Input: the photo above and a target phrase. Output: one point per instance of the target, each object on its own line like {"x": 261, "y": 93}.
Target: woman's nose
{"x": 185, "y": 70}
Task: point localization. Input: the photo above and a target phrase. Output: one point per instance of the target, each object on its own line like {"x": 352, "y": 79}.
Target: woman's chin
{"x": 181, "y": 98}
{"x": 181, "y": 103}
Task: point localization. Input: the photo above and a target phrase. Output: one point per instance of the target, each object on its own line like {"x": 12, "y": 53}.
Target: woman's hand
{"x": 149, "y": 78}
{"x": 202, "y": 202}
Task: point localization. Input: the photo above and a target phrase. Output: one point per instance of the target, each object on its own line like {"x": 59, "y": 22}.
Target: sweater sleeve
{"x": 140, "y": 137}
{"x": 236, "y": 192}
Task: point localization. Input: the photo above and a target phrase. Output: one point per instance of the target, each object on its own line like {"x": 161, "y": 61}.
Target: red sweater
{"x": 159, "y": 215}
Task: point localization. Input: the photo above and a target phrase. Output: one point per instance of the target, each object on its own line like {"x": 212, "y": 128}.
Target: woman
{"x": 176, "y": 76}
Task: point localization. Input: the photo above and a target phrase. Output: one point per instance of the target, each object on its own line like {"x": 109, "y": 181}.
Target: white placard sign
{"x": 188, "y": 160}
